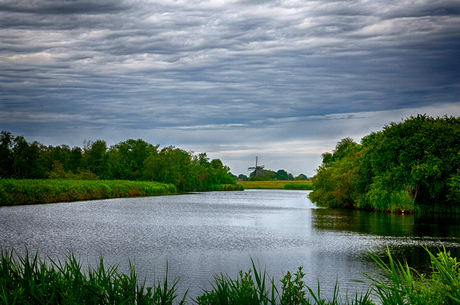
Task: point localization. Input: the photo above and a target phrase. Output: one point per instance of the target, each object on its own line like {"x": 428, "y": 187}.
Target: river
{"x": 201, "y": 235}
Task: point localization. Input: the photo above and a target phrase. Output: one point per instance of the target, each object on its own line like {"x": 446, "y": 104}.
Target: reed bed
{"x": 291, "y": 186}
{"x": 23, "y": 191}
{"x": 32, "y": 280}
{"x": 272, "y": 184}
{"x": 225, "y": 187}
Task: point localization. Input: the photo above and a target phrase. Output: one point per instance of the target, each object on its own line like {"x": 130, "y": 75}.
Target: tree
{"x": 127, "y": 159}
{"x": 96, "y": 159}
{"x": 242, "y": 177}
{"x": 301, "y": 177}
{"x": 281, "y": 175}
{"x": 25, "y": 160}
{"x": 6, "y": 154}
{"x": 408, "y": 165}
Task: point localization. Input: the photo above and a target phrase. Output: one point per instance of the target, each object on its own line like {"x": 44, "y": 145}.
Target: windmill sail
{"x": 258, "y": 170}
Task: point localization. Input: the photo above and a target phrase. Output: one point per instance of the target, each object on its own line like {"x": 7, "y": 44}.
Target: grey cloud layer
{"x": 230, "y": 65}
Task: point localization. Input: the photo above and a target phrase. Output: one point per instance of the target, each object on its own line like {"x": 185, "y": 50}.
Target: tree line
{"x": 132, "y": 159}
{"x": 268, "y": 174}
{"x": 408, "y": 166}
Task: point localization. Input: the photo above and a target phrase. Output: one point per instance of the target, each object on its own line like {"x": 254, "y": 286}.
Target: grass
{"x": 31, "y": 280}
{"x": 399, "y": 284}
{"x": 23, "y": 191}
{"x": 275, "y": 184}
{"x": 225, "y": 187}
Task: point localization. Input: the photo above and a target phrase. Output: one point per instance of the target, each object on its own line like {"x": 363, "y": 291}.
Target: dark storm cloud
{"x": 227, "y": 77}
{"x": 60, "y": 7}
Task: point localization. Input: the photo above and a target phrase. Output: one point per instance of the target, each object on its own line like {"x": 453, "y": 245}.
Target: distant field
{"x": 275, "y": 184}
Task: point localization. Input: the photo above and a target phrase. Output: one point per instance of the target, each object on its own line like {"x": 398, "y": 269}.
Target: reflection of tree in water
{"x": 404, "y": 234}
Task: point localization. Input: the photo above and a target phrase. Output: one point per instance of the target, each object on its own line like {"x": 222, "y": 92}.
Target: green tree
{"x": 25, "y": 160}
{"x": 6, "y": 154}
{"x": 127, "y": 159}
{"x": 96, "y": 159}
{"x": 281, "y": 175}
{"x": 408, "y": 165}
{"x": 243, "y": 177}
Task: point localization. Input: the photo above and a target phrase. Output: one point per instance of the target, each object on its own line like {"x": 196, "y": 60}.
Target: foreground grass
{"x": 277, "y": 184}
{"x": 31, "y": 280}
{"x": 23, "y": 191}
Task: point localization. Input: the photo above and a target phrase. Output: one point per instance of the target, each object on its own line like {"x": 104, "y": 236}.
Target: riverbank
{"x": 35, "y": 191}
{"x": 277, "y": 184}
{"x": 26, "y": 280}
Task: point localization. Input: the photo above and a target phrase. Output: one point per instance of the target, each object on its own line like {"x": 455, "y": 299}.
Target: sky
{"x": 282, "y": 80}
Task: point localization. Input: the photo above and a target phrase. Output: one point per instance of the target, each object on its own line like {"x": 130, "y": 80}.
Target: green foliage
{"x": 397, "y": 283}
{"x": 334, "y": 185}
{"x": 293, "y": 289}
{"x": 268, "y": 175}
{"x": 389, "y": 201}
{"x": 225, "y": 187}
{"x": 24, "y": 191}
{"x": 273, "y": 184}
{"x": 31, "y": 280}
{"x": 134, "y": 160}
{"x": 301, "y": 177}
{"x": 298, "y": 186}
{"x": 412, "y": 165}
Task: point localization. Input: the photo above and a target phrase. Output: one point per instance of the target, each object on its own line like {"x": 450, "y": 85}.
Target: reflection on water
{"x": 201, "y": 235}
{"x": 404, "y": 234}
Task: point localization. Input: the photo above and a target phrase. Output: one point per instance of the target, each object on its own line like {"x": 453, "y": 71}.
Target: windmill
{"x": 258, "y": 170}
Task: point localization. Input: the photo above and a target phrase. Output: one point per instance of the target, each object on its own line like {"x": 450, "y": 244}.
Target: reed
{"x": 400, "y": 284}
{"x": 291, "y": 186}
{"x": 23, "y": 191}
{"x": 225, "y": 187}
{"x": 32, "y": 280}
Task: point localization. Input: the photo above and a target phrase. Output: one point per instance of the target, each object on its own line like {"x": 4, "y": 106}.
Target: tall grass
{"x": 31, "y": 280}
{"x": 399, "y": 284}
{"x": 225, "y": 187}
{"x": 23, "y": 191}
{"x": 292, "y": 186}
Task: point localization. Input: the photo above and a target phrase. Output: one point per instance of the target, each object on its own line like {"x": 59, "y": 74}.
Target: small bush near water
{"x": 31, "y": 280}
{"x": 28, "y": 191}
{"x": 225, "y": 187}
{"x": 307, "y": 187}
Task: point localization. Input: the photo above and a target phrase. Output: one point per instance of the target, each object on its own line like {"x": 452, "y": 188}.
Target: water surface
{"x": 201, "y": 235}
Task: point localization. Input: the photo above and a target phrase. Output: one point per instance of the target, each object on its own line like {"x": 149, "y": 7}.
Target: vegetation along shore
{"x": 35, "y": 173}
{"x": 411, "y": 166}
{"x": 32, "y": 280}
{"x": 26, "y": 191}
{"x": 277, "y": 184}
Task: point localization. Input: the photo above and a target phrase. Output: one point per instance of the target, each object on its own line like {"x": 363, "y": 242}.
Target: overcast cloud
{"x": 283, "y": 80}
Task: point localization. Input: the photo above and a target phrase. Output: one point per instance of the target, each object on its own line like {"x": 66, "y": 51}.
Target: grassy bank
{"x": 31, "y": 280}
{"x": 276, "y": 184}
{"x": 225, "y": 187}
{"x": 23, "y": 191}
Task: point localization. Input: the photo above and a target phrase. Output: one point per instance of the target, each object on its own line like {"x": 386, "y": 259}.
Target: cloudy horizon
{"x": 282, "y": 80}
